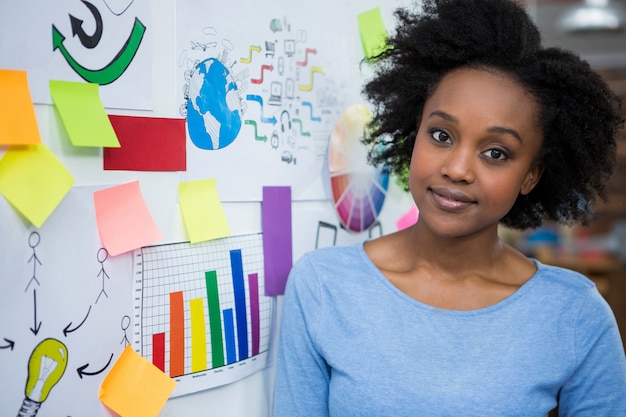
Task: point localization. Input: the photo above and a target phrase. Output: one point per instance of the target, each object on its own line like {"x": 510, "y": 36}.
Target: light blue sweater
{"x": 352, "y": 344}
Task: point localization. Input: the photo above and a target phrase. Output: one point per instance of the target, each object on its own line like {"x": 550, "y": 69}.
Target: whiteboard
{"x": 71, "y": 287}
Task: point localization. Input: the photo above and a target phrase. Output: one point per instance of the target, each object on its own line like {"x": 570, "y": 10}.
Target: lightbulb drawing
{"x": 46, "y": 366}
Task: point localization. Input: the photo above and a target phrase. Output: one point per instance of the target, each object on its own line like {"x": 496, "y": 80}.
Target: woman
{"x": 444, "y": 318}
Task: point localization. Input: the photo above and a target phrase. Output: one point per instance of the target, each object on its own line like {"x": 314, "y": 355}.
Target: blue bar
{"x": 240, "y": 303}
{"x": 229, "y": 334}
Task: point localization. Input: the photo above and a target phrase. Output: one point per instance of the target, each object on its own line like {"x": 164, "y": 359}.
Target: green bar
{"x": 215, "y": 319}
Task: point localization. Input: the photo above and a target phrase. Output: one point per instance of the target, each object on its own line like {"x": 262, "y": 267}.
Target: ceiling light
{"x": 592, "y": 16}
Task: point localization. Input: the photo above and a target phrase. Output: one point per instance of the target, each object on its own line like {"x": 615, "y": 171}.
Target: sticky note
{"x": 277, "y": 238}
{"x": 82, "y": 114}
{"x": 408, "y": 219}
{"x": 147, "y": 144}
{"x": 18, "y": 124}
{"x": 34, "y": 181}
{"x": 124, "y": 221}
{"x": 202, "y": 210}
{"x": 134, "y": 387}
{"x": 373, "y": 32}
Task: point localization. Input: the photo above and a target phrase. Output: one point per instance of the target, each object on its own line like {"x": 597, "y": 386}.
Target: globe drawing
{"x": 213, "y": 107}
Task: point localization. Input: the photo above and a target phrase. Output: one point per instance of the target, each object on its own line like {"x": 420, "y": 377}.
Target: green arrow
{"x": 115, "y": 68}
{"x": 256, "y": 135}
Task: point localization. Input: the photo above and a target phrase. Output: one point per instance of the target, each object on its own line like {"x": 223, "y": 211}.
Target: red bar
{"x": 158, "y": 350}
{"x": 177, "y": 334}
{"x": 255, "y": 323}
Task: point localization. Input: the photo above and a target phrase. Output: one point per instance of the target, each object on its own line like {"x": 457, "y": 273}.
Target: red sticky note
{"x": 277, "y": 245}
{"x": 147, "y": 144}
{"x": 124, "y": 221}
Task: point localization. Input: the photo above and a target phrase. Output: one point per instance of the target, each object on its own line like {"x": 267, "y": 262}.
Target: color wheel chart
{"x": 201, "y": 315}
{"x": 358, "y": 189}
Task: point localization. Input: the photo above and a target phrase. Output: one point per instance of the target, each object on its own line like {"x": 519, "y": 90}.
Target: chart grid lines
{"x": 200, "y": 308}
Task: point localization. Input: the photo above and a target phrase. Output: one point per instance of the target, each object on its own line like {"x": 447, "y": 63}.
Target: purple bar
{"x": 255, "y": 323}
{"x": 277, "y": 249}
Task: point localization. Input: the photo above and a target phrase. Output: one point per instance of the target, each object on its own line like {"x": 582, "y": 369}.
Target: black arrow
{"x": 81, "y": 370}
{"x": 88, "y": 41}
{"x": 67, "y": 328}
{"x": 37, "y": 325}
{"x": 10, "y": 344}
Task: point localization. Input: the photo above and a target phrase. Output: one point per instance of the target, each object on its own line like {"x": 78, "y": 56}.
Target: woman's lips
{"x": 450, "y": 199}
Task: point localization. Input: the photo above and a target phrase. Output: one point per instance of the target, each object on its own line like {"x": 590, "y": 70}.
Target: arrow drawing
{"x": 309, "y": 87}
{"x": 310, "y": 106}
{"x": 88, "y": 41}
{"x": 307, "y": 51}
{"x": 9, "y": 345}
{"x": 36, "y": 326}
{"x": 115, "y": 68}
{"x": 263, "y": 69}
{"x": 295, "y": 120}
{"x": 256, "y": 135}
{"x": 259, "y": 99}
{"x": 81, "y": 370}
{"x": 249, "y": 59}
{"x": 67, "y": 328}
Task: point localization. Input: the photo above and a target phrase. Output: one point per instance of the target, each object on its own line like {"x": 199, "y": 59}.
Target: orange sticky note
{"x": 135, "y": 387}
{"x": 83, "y": 114}
{"x": 18, "y": 124}
{"x": 123, "y": 219}
{"x": 34, "y": 181}
{"x": 202, "y": 210}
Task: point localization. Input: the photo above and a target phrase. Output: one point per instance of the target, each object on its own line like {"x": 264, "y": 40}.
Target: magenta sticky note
{"x": 277, "y": 247}
{"x": 408, "y": 219}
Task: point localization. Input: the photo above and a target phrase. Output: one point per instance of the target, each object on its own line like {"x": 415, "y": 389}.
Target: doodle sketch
{"x": 264, "y": 98}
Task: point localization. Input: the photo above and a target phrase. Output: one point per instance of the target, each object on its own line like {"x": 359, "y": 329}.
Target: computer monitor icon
{"x": 290, "y": 47}
{"x": 276, "y": 93}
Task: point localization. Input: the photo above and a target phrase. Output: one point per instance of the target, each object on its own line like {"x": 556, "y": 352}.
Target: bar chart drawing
{"x": 201, "y": 315}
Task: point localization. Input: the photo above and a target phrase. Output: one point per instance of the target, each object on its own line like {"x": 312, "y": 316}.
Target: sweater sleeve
{"x": 302, "y": 375}
{"x": 597, "y": 386}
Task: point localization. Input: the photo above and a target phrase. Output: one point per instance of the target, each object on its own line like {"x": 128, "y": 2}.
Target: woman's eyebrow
{"x": 505, "y": 130}
{"x": 493, "y": 129}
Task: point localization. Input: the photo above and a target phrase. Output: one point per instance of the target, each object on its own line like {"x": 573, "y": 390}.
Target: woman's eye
{"x": 496, "y": 154}
{"x": 440, "y": 136}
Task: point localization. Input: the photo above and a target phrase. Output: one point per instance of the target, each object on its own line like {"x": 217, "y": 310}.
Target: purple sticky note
{"x": 277, "y": 248}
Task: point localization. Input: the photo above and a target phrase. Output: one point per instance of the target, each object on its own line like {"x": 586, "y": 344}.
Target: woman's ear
{"x": 532, "y": 177}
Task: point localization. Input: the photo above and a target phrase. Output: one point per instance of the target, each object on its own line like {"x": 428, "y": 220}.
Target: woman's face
{"x": 474, "y": 152}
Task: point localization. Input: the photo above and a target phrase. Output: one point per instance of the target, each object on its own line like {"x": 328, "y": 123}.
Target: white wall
{"x": 250, "y": 396}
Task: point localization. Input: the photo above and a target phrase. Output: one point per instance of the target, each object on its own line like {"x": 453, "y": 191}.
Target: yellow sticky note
{"x": 34, "y": 181}
{"x": 124, "y": 221}
{"x": 134, "y": 387}
{"x": 202, "y": 210}
{"x": 373, "y": 32}
{"x": 82, "y": 113}
{"x": 18, "y": 124}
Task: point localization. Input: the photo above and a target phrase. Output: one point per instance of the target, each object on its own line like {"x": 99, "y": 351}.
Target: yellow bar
{"x": 198, "y": 336}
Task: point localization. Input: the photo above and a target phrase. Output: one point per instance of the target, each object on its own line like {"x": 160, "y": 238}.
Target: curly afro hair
{"x": 579, "y": 115}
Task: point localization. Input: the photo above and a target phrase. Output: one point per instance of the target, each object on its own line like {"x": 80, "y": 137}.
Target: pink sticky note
{"x": 123, "y": 219}
{"x": 408, "y": 219}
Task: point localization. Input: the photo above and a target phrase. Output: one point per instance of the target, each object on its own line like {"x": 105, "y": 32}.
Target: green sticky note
{"x": 82, "y": 114}
{"x": 202, "y": 210}
{"x": 34, "y": 181}
{"x": 373, "y": 32}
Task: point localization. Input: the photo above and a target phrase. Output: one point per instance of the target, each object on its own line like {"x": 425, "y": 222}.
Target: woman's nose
{"x": 458, "y": 165}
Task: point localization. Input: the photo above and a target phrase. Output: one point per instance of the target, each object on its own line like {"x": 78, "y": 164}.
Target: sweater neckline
{"x": 523, "y": 289}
